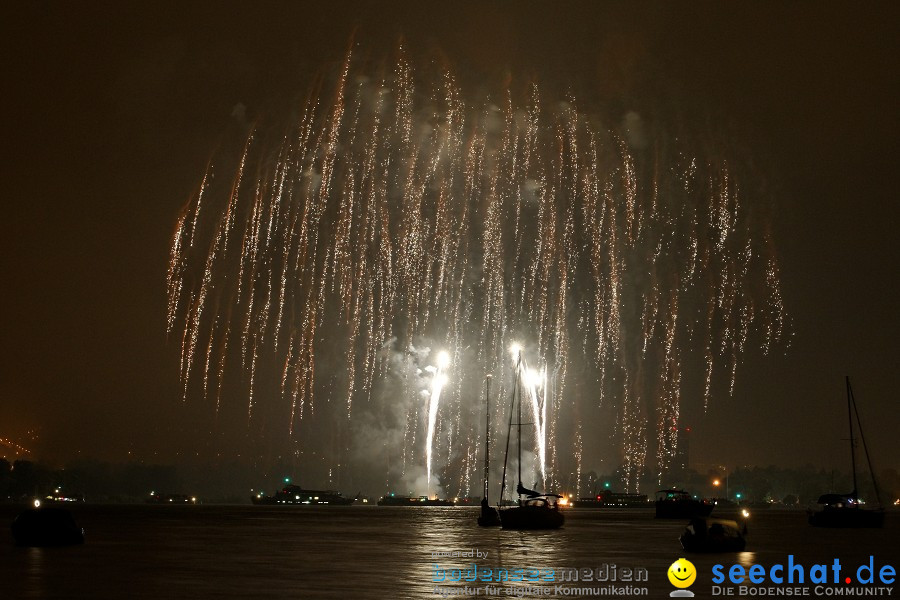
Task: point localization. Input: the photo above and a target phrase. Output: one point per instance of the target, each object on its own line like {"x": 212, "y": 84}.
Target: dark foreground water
{"x": 380, "y": 552}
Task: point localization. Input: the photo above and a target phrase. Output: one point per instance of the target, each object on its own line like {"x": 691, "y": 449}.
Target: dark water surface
{"x": 382, "y": 552}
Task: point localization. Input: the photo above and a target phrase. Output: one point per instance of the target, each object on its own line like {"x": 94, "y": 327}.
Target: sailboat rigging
{"x": 538, "y": 510}
{"x": 848, "y": 510}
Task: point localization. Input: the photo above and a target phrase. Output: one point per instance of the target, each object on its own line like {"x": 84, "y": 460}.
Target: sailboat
{"x": 489, "y": 516}
{"x": 537, "y": 510}
{"x": 847, "y": 510}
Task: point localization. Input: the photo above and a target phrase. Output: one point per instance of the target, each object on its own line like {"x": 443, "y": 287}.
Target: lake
{"x": 210, "y": 551}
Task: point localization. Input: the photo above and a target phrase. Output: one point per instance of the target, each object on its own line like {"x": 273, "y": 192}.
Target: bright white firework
{"x": 395, "y": 209}
{"x": 437, "y": 385}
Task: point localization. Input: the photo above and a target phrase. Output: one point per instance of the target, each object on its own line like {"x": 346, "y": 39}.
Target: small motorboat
{"x": 704, "y": 534}
{"x": 46, "y": 526}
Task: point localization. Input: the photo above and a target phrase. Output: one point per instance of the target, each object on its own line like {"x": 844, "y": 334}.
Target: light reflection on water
{"x": 747, "y": 559}
{"x": 34, "y": 571}
{"x": 377, "y": 552}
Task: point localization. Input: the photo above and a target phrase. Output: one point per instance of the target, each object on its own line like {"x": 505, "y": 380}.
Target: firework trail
{"x": 392, "y": 212}
{"x": 437, "y": 385}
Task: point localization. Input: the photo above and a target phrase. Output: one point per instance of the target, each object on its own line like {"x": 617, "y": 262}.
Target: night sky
{"x": 112, "y": 113}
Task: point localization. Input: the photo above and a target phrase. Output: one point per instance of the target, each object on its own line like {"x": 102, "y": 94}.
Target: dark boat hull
{"x": 713, "y": 535}
{"x": 488, "y": 517}
{"x": 613, "y": 500}
{"x": 272, "y": 500}
{"x": 846, "y": 517}
{"x": 296, "y": 495}
{"x": 531, "y": 517}
{"x": 46, "y": 527}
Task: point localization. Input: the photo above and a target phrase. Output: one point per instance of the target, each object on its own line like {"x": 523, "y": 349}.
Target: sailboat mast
{"x": 508, "y": 435}
{"x": 519, "y": 414}
{"x": 487, "y": 432}
{"x": 865, "y": 446}
{"x": 852, "y": 441}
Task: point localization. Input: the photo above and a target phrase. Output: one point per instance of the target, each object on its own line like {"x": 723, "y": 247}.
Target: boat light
{"x": 746, "y": 513}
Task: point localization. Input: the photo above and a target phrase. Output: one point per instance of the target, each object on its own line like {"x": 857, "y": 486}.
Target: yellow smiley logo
{"x": 682, "y": 573}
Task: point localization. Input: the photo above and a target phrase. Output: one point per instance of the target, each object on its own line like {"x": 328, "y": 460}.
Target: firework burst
{"x": 392, "y": 212}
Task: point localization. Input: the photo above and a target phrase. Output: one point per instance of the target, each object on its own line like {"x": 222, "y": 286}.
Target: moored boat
{"x": 608, "y": 499}
{"x": 535, "y": 510}
{"x": 170, "y": 499}
{"x": 393, "y": 500}
{"x": 46, "y": 526}
{"x": 849, "y": 510}
{"x": 678, "y": 504}
{"x": 703, "y": 534}
{"x": 844, "y": 510}
{"x": 294, "y": 494}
